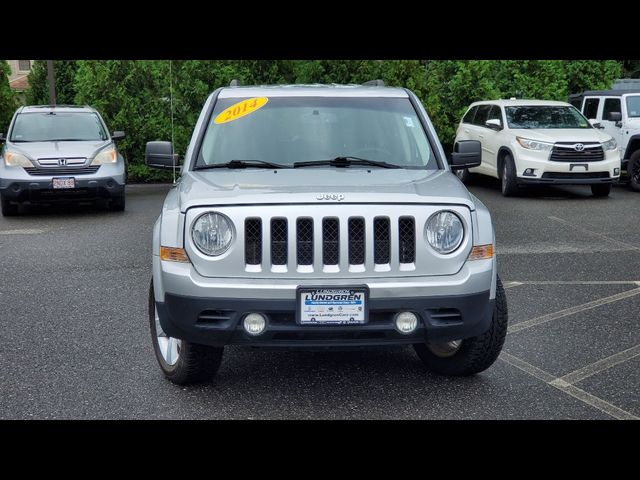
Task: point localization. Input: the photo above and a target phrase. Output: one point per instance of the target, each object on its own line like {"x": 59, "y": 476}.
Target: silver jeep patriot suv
{"x": 312, "y": 216}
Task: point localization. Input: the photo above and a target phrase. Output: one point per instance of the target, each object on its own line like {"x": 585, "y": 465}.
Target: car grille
{"x": 329, "y": 228}
{"x": 565, "y": 152}
{"x": 57, "y": 171}
{"x": 574, "y": 176}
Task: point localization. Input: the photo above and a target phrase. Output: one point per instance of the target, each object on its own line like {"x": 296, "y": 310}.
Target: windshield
{"x": 48, "y": 127}
{"x": 545, "y": 116}
{"x": 633, "y": 106}
{"x": 285, "y": 130}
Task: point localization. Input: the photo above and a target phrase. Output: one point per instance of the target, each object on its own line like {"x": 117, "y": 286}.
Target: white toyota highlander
{"x": 539, "y": 142}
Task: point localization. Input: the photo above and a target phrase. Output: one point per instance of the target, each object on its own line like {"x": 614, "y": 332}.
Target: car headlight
{"x": 13, "y": 159}
{"x": 444, "y": 231}
{"x": 609, "y": 145}
{"x": 534, "y": 144}
{"x": 106, "y": 156}
{"x": 212, "y": 233}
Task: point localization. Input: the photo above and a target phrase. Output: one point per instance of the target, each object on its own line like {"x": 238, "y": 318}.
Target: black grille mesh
{"x": 356, "y": 241}
{"x": 330, "y": 241}
{"x": 407, "y": 230}
{"x": 381, "y": 240}
{"x": 560, "y": 154}
{"x": 253, "y": 241}
{"x": 56, "y": 171}
{"x": 304, "y": 247}
{"x": 278, "y": 241}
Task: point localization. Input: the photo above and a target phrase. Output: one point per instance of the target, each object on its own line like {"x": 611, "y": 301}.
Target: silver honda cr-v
{"x": 321, "y": 217}
{"x": 60, "y": 153}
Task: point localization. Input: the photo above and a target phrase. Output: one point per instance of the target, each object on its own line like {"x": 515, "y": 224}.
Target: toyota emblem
{"x": 578, "y": 147}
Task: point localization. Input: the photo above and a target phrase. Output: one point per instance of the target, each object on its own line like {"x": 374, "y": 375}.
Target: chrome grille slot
{"x": 407, "y": 243}
{"x": 279, "y": 242}
{"x": 381, "y": 240}
{"x": 253, "y": 241}
{"x": 330, "y": 241}
{"x": 304, "y": 241}
{"x": 356, "y": 241}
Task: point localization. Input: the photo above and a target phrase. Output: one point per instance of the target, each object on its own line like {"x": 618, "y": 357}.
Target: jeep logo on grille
{"x": 62, "y": 162}
{"x": 330, "y": 196}
{"x": 578, "y": 147}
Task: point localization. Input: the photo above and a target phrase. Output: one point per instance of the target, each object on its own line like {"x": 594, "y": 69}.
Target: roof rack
{"x": 374, "y": 83}
{"x": 234, "y": 83}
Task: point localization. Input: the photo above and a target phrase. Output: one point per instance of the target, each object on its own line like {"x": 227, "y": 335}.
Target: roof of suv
{"x": 605, "y": 93}
{"x": 512, "y": 103}
{"x": 56, "y": 108}
{"x": 316, "y": 90}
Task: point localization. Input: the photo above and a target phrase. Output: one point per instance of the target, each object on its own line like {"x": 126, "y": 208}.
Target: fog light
{"x": 529, "y": 172}
{"x": 406, "y": 322}
{"x": 616, "y": 172}
{"x": 254, "y": 324}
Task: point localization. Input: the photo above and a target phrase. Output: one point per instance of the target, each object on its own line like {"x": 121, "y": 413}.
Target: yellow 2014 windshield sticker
{"x": 240, "y": 109}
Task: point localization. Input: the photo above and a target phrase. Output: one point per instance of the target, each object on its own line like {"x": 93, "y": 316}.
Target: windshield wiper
{"x": 345, "y": 162}
{"x": 242, "y": 164}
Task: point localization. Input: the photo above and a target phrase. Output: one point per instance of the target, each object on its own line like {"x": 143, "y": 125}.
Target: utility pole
{"x": 51, "y": 79}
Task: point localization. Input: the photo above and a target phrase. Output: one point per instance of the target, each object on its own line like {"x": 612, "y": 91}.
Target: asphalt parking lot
{"x": 74, "y": 341}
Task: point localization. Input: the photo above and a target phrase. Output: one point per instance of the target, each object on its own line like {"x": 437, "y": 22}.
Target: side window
{"x": 481, "y": 115}
{"x": 495, "y": 114}
{"x": 591, "y": 108}
{"x": 468, "y": 118}
{"x": 611, "y": 105}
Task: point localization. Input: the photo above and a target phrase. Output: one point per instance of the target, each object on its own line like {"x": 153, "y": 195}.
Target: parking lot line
{"x": 597, "y": 234}
{"x": 572, "y": 282}
{"x": 511, "y": 284}
{"x": 600, "y": 365}
{"x": 23, "y": 231}
{"x": 572, "y": 310}
{"x": 567, "y": 388}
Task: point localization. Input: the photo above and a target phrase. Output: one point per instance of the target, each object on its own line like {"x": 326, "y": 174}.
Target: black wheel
{"x": 8, "y": 209}
{"x": 508, "y": 177}
{"x": 462, "y": 174}
{"x": 633, "y": 170}
{"x": 181, "y": 362}
{"x": 118, "y": 203}
{"x": 601, "y": 190}
{"x": 471, "y": 355}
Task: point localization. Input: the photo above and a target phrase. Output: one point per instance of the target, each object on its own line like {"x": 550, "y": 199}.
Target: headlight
{"x": 212, "y": 233}
{"x": 609, "y": 145}
{"x": 444, "y": 231}
{"x": 13, "y": 159}
{"x": 534, "y": 144}
{"x": 106, "y": 156}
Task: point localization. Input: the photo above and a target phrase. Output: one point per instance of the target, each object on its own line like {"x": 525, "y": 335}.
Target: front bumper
{"x": 41, "y": 190}
{"x": 209, "y": 311}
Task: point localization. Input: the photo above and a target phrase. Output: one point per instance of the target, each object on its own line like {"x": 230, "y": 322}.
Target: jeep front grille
{"x": 279, "y": 249}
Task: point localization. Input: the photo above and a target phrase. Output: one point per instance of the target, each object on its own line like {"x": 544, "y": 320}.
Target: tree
{"x": 65, "y": 72}
{"x": 7, "y": 98}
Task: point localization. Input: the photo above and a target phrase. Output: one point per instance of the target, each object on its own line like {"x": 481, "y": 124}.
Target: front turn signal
{"x": 481, "y": 252}
{"x": 171, "y": 254}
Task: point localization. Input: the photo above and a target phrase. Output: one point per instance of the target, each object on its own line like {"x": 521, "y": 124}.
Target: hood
{"x": 36, "y": 150}
{"x": 315, "y": 185}
{"x": 553, "y": 135}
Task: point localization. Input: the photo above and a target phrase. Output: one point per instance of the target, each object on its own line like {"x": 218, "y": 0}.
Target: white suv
{"x": 539, "y": 142}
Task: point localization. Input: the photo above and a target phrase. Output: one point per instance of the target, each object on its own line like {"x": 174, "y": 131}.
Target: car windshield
{"x": 58, "y": 126}
{"x": 633, "y": 106}
{"x": 287, "y": 130}
{"x": 545, "y": 116}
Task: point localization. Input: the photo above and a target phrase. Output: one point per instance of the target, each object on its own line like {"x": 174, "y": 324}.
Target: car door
{"x": 480, "y": 133}
{"x": 590, "y": 108}
{"x": 466, "y": 129}
{"x": 611, "y": 104}
{"x": 491, "y": 140}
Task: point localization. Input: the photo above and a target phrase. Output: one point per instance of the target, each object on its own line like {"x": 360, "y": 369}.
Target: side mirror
{"x": 466, "y": 154}
{"x": 160, "y": 155}
{"x": 117, "y": 135}
{"x": 493, "y": 124}
{"x": 2, "y": 137}
{"x": 615, "y": 116}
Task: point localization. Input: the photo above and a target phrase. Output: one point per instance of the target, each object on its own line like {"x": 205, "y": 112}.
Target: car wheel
{"x": 471, "y": 355}
{"x": 508, "y": 177}
{"x": 463, "y": 174}
{"x": 181, "y": 361}
{"x": 118, "y": 203}
{"x": 8, "y": 209}
{"x": 602, "y": 190}
{"x": 633, "y": 170}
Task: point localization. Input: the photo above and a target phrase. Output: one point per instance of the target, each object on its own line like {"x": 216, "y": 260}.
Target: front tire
{"x": 181, "y": 361}
{"x": 633, "y": 170}
{"x": 471, "y": 355}
{"x": 601, "y": 190}
{"x": 8, "y": 209}
{"x": 508, "y": 178}
{"x": 118, "y": 203}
